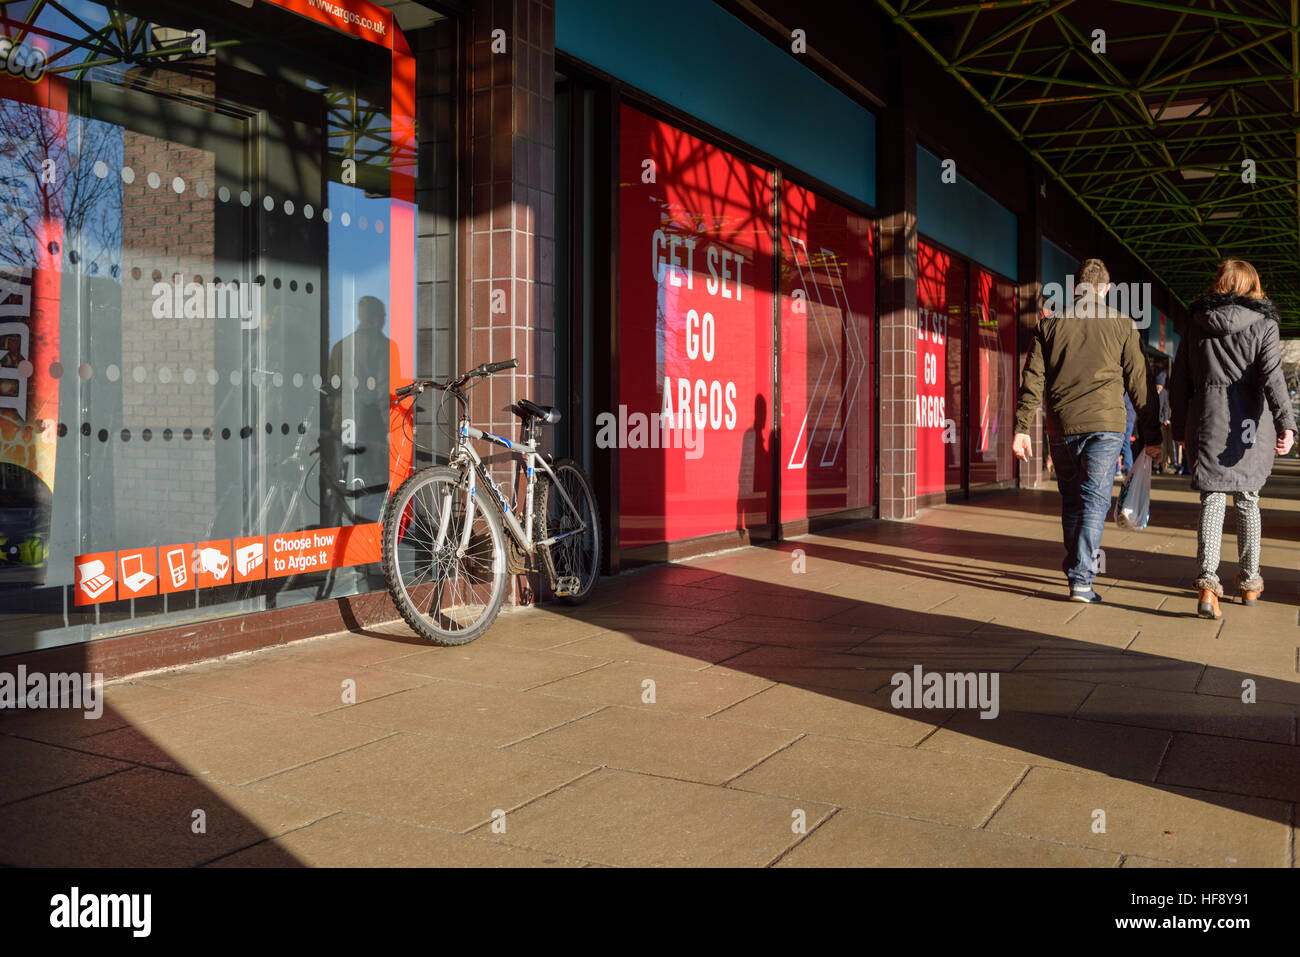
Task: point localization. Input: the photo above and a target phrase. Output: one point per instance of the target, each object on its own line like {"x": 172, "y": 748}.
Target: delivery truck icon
{"x": 212, "y": 561}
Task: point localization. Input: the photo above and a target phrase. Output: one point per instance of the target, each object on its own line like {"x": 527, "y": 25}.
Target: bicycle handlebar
{"x": 483, "y": 369}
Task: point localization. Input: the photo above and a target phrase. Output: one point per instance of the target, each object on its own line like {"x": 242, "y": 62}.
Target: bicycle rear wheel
{"x": 447, "y": 592}
{"x": 573, "y": 563}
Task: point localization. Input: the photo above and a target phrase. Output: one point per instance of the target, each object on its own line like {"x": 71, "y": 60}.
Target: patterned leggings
{"x": 1210, "y": 535}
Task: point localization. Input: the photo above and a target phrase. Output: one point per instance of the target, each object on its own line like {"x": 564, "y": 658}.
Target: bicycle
{"x": 449, "y": 547}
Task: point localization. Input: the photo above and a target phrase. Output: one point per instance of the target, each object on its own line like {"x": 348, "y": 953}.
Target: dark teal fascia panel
{"x": 964, "y": 218}
{"x": 694, "y": 55}
{"x": 1057, "y": 263}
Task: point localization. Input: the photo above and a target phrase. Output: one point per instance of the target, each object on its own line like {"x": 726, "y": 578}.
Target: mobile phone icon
{"x": 176, "y": 565}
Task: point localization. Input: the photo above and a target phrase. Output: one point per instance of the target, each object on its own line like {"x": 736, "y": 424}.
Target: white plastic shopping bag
{"x": 1133, "y": 510}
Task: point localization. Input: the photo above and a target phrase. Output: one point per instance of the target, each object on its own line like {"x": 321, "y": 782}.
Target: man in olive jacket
{"x": 1080, "y": 365}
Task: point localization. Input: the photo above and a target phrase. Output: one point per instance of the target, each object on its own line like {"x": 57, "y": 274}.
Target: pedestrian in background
{"x": 1231, "y": 409}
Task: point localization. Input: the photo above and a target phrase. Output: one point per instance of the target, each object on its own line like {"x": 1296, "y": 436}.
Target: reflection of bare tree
{"x": 35, "y": 192}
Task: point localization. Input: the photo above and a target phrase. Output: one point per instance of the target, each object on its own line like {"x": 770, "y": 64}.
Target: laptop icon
{"x": 134, "y": 577}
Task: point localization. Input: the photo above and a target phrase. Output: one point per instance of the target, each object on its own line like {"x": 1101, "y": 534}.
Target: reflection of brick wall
{"x": 171, "y": 484}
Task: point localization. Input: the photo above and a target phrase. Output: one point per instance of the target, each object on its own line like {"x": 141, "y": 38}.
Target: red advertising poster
{"x": 992, "y": 373}
{"x": 694, "y": 422}
{"x": 827, "y": 356}
{"x": 33, "y": 109}
{"x": 941, "y": 299}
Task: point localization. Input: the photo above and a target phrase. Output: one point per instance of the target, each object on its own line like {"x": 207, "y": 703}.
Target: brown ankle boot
{"x": 1209, "y": 591}
{"x": 1250, "y": 590}
{"x": 1207, "y": 604}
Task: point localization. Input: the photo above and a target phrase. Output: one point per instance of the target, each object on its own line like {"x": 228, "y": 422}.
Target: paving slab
{"x": 625, "y": 819}
{"x": 499, "y": 666}
{"x": 862, "y": 839}
{"x": 293, "y": 684}
{"x": 945, "y": 788}
{"x": 231, "y": 742}
{"x": 33, "y": 767}
{"x": 656, "y": 742}
{"x": 1235, "y": 767}
{"x": 1109, "y": 667}
{"x": 1183, "y": 825}
{"x": 464, "y": 712}
{"x": 1180, "y": 711}
{"x": 355, "y": 840}
{"x": 1051, "y": 741}
{"x": 693, "y": 652}
{"x": 858, "y": 716}
{"x": 146, "y": 818}
{"x": 657, "y": 687}
{"x": 425, "y": 781}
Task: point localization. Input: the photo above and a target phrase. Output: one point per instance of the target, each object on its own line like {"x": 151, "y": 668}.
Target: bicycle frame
{"x": 464, "y": 456}
{"x": 464, "y": 453}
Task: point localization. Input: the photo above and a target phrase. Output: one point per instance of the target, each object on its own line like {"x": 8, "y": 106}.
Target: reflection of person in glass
{"x": 354, "y": 427}
{"x": 755, "y": 466}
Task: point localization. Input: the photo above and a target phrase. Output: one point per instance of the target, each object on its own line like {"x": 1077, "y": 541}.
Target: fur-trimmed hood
{"x": 1223, "y": 313}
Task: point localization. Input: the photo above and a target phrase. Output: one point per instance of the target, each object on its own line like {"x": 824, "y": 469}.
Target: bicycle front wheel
{"x": 444, "y": 561}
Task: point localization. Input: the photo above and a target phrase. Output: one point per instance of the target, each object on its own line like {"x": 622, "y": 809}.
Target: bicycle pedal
{"x": 567, "y": 585}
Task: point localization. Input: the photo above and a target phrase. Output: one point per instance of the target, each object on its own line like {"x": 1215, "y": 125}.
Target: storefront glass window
{"x": 827, "y": 356}
{"x": 694, "y": 424}
{"x": 992, "y": 377}
{"x": 940, "y": 423}
{"x": 207, "y": 278}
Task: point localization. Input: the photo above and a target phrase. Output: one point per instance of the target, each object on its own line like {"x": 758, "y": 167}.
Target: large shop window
{"x": 940, "y": 424}
{"x": 695, "y": 417}
{"x": 827, "y": 357}
{"x": 207, "y": 282}
{"x": 993, "y": 377}
{"x": 694, "y": 423}
{"x": 966, "y": 374}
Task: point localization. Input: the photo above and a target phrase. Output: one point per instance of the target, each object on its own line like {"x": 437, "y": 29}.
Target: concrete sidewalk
{"x": 732, "y": 710}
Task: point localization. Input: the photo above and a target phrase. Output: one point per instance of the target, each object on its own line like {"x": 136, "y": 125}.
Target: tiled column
{"x": 1031, "y": 262}
{"x": 510, "y": 250}
{"x": 898, "y": 313}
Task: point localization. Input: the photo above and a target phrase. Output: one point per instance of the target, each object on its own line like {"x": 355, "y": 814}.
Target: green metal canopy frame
{"x": 1156, "y": 116}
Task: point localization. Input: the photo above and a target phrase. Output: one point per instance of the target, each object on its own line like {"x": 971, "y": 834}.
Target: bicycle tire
{"x": 556, "y": 558}
{"x": 434, "y": 626}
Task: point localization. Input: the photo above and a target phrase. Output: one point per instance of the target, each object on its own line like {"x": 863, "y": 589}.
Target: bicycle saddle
{"x": 531, "y": 410}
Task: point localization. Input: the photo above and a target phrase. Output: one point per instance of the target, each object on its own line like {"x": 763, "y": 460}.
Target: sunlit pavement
{"x": 730, "y": 710}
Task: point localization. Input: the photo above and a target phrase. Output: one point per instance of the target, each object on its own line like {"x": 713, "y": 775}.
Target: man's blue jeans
{"x": 1085, "y": 474}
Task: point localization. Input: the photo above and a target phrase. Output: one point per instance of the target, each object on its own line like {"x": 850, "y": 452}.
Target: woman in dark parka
{"x": 1230, "y": 406}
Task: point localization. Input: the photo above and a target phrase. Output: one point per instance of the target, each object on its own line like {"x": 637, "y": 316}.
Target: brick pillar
{"x": 898, "y": 312}
{"x": 511, "y": 232}
{"x": 1030, "y": 255}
